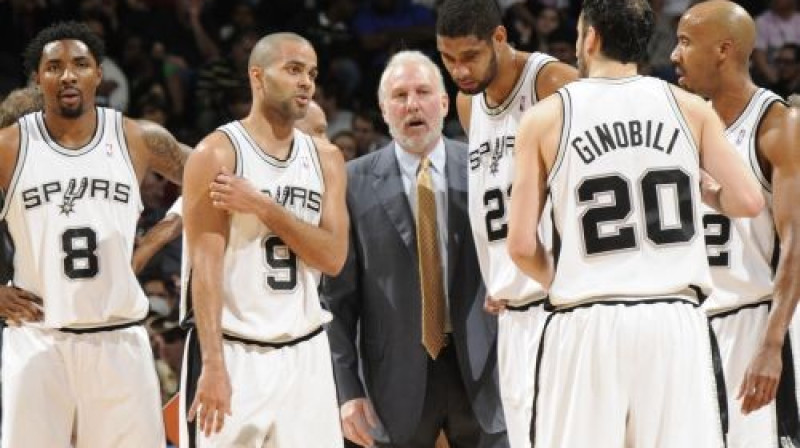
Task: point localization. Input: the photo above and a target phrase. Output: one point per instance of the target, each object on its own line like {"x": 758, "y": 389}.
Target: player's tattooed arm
{"x": 153, "y": 148}
{"x": 167, "y": 156}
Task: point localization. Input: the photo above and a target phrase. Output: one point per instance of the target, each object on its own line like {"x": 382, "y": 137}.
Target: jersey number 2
{"x": 495, "y": 201}
{"x": 282, "y": 263}
{"x": 79, "y": 246}
{"x": 652, "y": 185}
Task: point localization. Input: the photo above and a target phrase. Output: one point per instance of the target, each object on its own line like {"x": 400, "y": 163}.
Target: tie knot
{"x": 424, "y": 165}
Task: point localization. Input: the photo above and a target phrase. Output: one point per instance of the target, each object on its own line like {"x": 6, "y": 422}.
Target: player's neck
{"x": 273, "y": 136}
{"x": 731, "y": 97}
{"x": 510, "y": 66}
{"x": 612, "y": 69}
{"x": 71, "y": 132}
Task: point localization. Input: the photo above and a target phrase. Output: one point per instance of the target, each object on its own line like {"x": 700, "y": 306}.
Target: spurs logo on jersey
{"x": 743, "y": 252}
{"x": 66, "y": 193}
{"x": 72, "y": 215}
{"x": 491, "y": 158}
{"x": 625, "y": 194}
{"x": 269, "y": 294}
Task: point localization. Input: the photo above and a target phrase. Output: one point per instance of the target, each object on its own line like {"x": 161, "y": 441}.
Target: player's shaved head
{"x": 725, "y": 20}
{"x": 268, "y": 47}
{"x": 314, "y": 123}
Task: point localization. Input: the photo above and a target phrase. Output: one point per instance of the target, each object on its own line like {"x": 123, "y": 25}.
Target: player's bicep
{"x": 166, "y": 155}
{"x": 206, "y": 227}
{"x": 783, "y": 152}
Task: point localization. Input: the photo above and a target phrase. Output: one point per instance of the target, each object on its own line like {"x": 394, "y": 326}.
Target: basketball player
{"x": 76, "y": 359}
{"x": 626, "y": 357}
{"x": 497, "y": 84}
{"x": 171, "y": 226}
{"x": 756, "y": 286}
{"x": 258, "y": 239}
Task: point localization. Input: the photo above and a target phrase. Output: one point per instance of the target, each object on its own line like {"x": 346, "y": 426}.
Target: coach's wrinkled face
{"x": 68, "y": 76}
{"x": 414, "y": 106}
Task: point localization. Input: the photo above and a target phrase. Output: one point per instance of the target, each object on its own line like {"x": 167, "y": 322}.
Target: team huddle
{"x": 637, "y": 291}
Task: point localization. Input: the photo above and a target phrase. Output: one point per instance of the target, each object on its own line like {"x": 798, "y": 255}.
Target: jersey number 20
{"x": 653, "y": 185}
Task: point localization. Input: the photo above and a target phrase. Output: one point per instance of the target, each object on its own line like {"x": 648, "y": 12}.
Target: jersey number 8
{"x": 79, "y": 246}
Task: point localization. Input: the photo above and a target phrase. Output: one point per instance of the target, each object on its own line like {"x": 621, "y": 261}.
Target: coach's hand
{"x": 18, "y": 305}
{"x": 760, "y": 384}
{"x": 212, "y": 401}
{"x": 358, "y": 418}
{"x": 493, "y": 306}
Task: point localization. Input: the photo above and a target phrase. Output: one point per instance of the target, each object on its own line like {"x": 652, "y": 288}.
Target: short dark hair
{"x": 625, "y": 27}
{"x": 461, "y": 18}
{"x": 62, "y": 31}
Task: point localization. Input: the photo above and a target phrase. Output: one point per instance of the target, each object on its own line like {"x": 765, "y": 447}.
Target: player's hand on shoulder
{"x": 235, "y": 194}
{"x": 18, "y": 305}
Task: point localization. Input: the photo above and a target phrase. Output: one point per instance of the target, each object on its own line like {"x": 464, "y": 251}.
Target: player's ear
{"x": 500, "y": 35}
{"x": 725, "y": 49}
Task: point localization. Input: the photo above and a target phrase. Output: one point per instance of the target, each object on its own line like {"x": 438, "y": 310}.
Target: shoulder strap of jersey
{"x": 25, "y": 122}
{"x": 762, "y": 105}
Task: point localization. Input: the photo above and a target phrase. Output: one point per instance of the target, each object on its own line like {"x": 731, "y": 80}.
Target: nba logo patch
{"x": 740, "y": 137}
{"x": 522, "y": 103}
{"x": 109, "y": 149}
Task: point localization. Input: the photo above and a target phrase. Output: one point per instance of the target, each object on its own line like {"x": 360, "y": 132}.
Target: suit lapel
{"x": 388, "y": 186}
{"x": 457, "y": 215}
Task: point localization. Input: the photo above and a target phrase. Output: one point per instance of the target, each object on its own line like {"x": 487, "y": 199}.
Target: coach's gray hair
{"x": 408, "y": 56}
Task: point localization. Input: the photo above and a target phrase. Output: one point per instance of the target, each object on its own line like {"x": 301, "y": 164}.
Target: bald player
{"x": 258, "y": 369}
{"x": 754, "y": 261}
{"x": 314, "y": 122}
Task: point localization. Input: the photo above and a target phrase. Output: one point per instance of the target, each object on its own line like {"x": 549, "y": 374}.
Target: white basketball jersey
{"x": 743, "y": 252}
{"x": 270, "y": 294}
{"x": 625, "y": 194}
{"x": 72, "y": 215}
{"x": 491, "y": 170}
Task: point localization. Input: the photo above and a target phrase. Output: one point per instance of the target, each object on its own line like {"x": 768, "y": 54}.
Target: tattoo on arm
{"x": 167, "y": 156}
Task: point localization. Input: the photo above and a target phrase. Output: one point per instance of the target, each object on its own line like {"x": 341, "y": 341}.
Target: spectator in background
{"x": 346, "y": 142}
{"x": 562, "y": 45}
{"x": 328, "y": 29}
{"x": 366, "y": 124}
{"x": 661, "y": 44}
{"x": 779, "y": 25}
{"x": 385, "y": 26}
{"x": 787, "y": 67}
{"x": 220, "y": 80}
{"x": 113, "y": 90}
{"x": 329, "y": 97}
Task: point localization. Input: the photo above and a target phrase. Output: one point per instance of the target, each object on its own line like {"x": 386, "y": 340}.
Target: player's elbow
{"x": 747, "y": 205}
{"x": 521, "y": 251}
{"x": 333, "y": 263}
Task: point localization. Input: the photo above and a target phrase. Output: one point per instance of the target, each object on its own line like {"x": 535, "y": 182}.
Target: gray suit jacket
{"x": 379, "y": 288}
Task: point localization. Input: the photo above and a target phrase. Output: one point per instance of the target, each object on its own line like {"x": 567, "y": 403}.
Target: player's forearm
{"x": 785, "y": 296}
{"x": 207, "y": 308}
{"x": 534, "y": 262}
{"x": 156, "y": 238}
{"x": 316, "y": 246}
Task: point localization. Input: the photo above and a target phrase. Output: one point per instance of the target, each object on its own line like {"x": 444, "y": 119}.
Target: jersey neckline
{"x": 97, "y": 136}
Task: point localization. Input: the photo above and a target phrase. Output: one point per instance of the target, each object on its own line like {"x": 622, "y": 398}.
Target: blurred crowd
{"x": 183, "y": 64}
